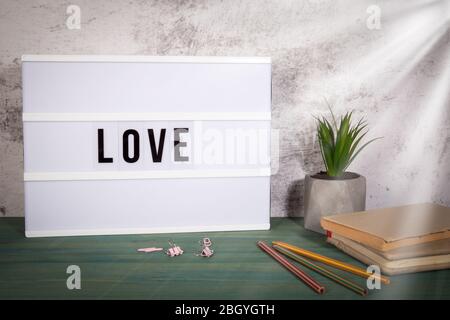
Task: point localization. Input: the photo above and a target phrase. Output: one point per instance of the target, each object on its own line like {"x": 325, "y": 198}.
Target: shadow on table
{"x": 295, "y": 201}
{"x": 14, "y": 226}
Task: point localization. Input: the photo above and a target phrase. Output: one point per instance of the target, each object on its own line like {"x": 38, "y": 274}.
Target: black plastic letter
{"x": 126, "y": 155}
{"x": 156, "y": 155}
{"x": 101, "y": 148}
{"x": 179, "y": 144}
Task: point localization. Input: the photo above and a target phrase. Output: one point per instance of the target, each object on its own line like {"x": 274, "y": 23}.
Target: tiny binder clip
{"x": 174, "y": 250}
{"x": 206, "y": 242}
{"x": 206, "y": 250}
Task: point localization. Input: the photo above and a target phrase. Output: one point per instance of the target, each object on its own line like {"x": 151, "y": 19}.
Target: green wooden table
{"x": 112, "y": 269}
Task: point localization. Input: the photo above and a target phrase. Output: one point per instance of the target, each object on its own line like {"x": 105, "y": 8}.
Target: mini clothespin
{"x": 206, "y": 248}
{"x": 152, "y": 249}
{"x": 174, "y": 250}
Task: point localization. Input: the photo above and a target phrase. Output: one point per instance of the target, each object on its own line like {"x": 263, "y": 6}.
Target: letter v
{"x": 156, "y": 155}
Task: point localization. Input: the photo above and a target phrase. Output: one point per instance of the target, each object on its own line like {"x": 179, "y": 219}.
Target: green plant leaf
{"x": 332, "y": 114}
{"x": 339, "y": 142}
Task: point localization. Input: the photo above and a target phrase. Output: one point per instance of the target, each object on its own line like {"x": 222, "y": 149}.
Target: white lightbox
{"x": 140, "y": 144}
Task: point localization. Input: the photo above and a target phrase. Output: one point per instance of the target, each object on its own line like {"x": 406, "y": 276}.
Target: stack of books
{"x": 399, "y": 240}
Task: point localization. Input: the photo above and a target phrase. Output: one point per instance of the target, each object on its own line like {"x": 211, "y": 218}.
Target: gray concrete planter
{"x": 325, "y": 196}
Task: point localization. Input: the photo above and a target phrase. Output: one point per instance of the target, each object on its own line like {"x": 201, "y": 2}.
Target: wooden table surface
{"x": 111, "y": 268}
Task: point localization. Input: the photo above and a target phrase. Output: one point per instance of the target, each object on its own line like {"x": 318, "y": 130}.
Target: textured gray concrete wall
{"x": 394, "y": 70}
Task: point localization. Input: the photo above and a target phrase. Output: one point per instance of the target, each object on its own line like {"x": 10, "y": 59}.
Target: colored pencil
{"x": 317, "y": 287}
{"x": 331, "y": 262}
{"x": 323, "y": 271}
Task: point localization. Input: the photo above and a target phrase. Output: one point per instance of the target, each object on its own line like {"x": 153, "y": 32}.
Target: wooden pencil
{"x": 317, "y": 287}
{"x": 331, "y": 262}
{"x": 323, "y": 271}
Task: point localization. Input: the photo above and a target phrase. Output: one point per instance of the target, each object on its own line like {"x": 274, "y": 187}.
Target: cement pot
{"x": 325, "y": 196}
